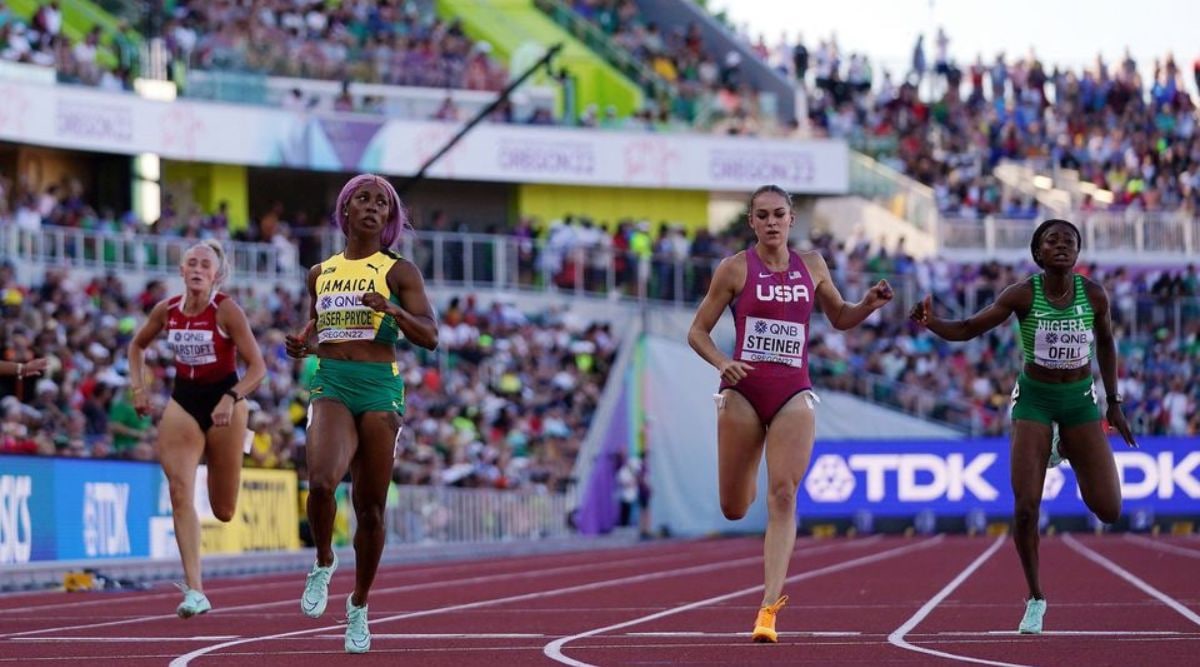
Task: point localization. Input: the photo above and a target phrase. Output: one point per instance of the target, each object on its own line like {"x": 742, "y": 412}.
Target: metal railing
{"x": 442, "y": 514}
{"x": 469, "y": 260}
{"x": 150, "y": 254}
{"x": 1131, "y": 237}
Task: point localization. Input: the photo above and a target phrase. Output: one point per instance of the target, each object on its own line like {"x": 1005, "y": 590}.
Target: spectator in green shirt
{"x": 126, "y": 425}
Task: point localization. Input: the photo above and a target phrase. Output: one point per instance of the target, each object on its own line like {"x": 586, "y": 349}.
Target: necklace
{"x": 1062, "y": 296}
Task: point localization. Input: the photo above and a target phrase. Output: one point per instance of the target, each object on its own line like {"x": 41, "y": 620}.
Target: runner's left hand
{"x": 223, "y": 412}
{"x": 375, "y": 301}
{"x": 1116, "y": 419}
{"x": 879, "y": 294}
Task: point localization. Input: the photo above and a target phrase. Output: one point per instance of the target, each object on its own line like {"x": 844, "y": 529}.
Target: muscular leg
{"x": 223, "y": 453}
{"x": 1086, "y": 447}
{"x": 180, "y": 444}
{"x": 789, "y": 448}
{"x": 332, "y": 442}
{"x": 1030, "y": 451}
{"x": 739, "y": 450}
{"x": 371, "y": 472}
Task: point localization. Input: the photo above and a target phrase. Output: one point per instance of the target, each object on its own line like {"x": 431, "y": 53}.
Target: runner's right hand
{"x": 733, "y": 371}
{"x": 297, "y": 346}
{"x": 922, "y": 311}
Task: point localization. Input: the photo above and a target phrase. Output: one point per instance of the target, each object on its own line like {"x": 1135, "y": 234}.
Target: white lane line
{"x": 102, "y": 640}
{"x": 186, "y": 659}
{"x": 1160, "y": 546}
{"x": 1131, "y": 578}
{"x": 554, "y": 650}
{"x": 830, "y": 633}
{"x": 440, "y": 583}
{"x": 1064, "y": 633}
{"x": 426, "y": 635}
{"x": 416, "y": 570}
{"x": 897, "y": 637}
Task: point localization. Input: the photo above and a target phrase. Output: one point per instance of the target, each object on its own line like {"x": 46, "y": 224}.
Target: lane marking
{"x": 1131, "y": 578}
{"x": 186, "y": 659}
{"x": 554, "y": 650}
{"x": 406, "y": 588}
{"x": 897, "y": 637}
{"x": 1159, "y": 546}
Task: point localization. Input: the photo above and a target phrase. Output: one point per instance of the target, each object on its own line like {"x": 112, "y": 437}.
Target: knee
{"x": 181, "y": 493}
{"x": 1025, "y": 513}
{"x": 733, "y": 510}
{"x": 1109, "y": 513}
{"x": 783, "y": 497}
{"x": 224, "y": 513}
{"x": 321, "y": 489}
{"x": 369, "y": 517}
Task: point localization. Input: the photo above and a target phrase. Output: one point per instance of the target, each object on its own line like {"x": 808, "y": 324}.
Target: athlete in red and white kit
{"x": 207, "y": 413}
{"x": 766, "y": 395}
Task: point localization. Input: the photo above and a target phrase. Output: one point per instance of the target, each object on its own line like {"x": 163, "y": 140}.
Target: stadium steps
{"x": 520, "y": 34}
{"x": 777, "y": 94}
{"x": 653, "y": 84}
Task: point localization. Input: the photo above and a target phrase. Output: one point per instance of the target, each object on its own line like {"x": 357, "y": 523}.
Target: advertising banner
{"x": 86, "y": 119}
{"x": 267, "y": 517}
{"x": 904, "y": 477}
{"x": 67, "y": 509}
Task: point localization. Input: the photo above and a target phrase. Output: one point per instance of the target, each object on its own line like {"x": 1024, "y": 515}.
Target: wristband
{"x": 234, "y": 395}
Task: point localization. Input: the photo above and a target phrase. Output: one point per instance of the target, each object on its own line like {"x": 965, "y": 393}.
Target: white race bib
{"x": 342, "y": 317}
{"x": 192, "y": 347}
{"x": 1062, "y": 349}
{"x": 775, "y": 341}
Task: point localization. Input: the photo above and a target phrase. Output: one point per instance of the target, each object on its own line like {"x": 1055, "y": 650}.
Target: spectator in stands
{"x": 766, "y": 399}
{"x": 362, "y": 299}
{"x": 1064, "y": 319}
{"x": 207, "y": 413}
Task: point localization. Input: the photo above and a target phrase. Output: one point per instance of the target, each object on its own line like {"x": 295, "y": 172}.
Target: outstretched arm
{"x": 1014, "y": 299}
{"x": 841, "y": 314}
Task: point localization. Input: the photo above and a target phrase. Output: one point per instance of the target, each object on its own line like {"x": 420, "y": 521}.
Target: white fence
{"x": 423, "y": 514}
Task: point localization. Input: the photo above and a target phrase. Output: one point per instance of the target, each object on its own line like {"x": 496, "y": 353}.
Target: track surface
{"x": 1113, "y": 600}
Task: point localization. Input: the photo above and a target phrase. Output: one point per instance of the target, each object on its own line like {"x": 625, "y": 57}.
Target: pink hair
{"x": 397, "y": 220}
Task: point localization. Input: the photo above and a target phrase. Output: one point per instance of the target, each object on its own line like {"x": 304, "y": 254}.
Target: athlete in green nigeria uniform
{"x": 362, "y": 299}
{"x": 1063, "y": 319}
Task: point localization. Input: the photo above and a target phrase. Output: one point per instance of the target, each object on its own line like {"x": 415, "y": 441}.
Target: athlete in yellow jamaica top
{"x": 362, "y": 300}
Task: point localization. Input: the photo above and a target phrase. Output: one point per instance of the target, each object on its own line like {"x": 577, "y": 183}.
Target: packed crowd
{"x": 398, "y": 43}
{"x": 1133, "y": 138}
{"x": 109, "y": 63}
{"x": 709, "y": 91}
{"x": 504, "y": 403}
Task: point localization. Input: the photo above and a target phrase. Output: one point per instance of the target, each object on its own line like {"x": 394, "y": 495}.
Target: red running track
{"x": 1113, "y": 600}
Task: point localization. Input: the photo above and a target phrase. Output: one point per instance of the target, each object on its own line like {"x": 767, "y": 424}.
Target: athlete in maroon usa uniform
{"x": 771, "y": 316}
{"x": 206, "y": 416}
{"x": 765, "y": 400}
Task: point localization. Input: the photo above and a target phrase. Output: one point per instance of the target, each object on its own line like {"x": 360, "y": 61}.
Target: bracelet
{"x": 20, "y": 371}
{"x": 234, "y": 395}
{"x": 137, "y": 390}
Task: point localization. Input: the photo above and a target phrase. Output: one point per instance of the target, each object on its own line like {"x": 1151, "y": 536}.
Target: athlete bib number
{"x": 775, "y": 341}
{"x": 1062, "y": 349}
{"x": 192, "y": 347}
